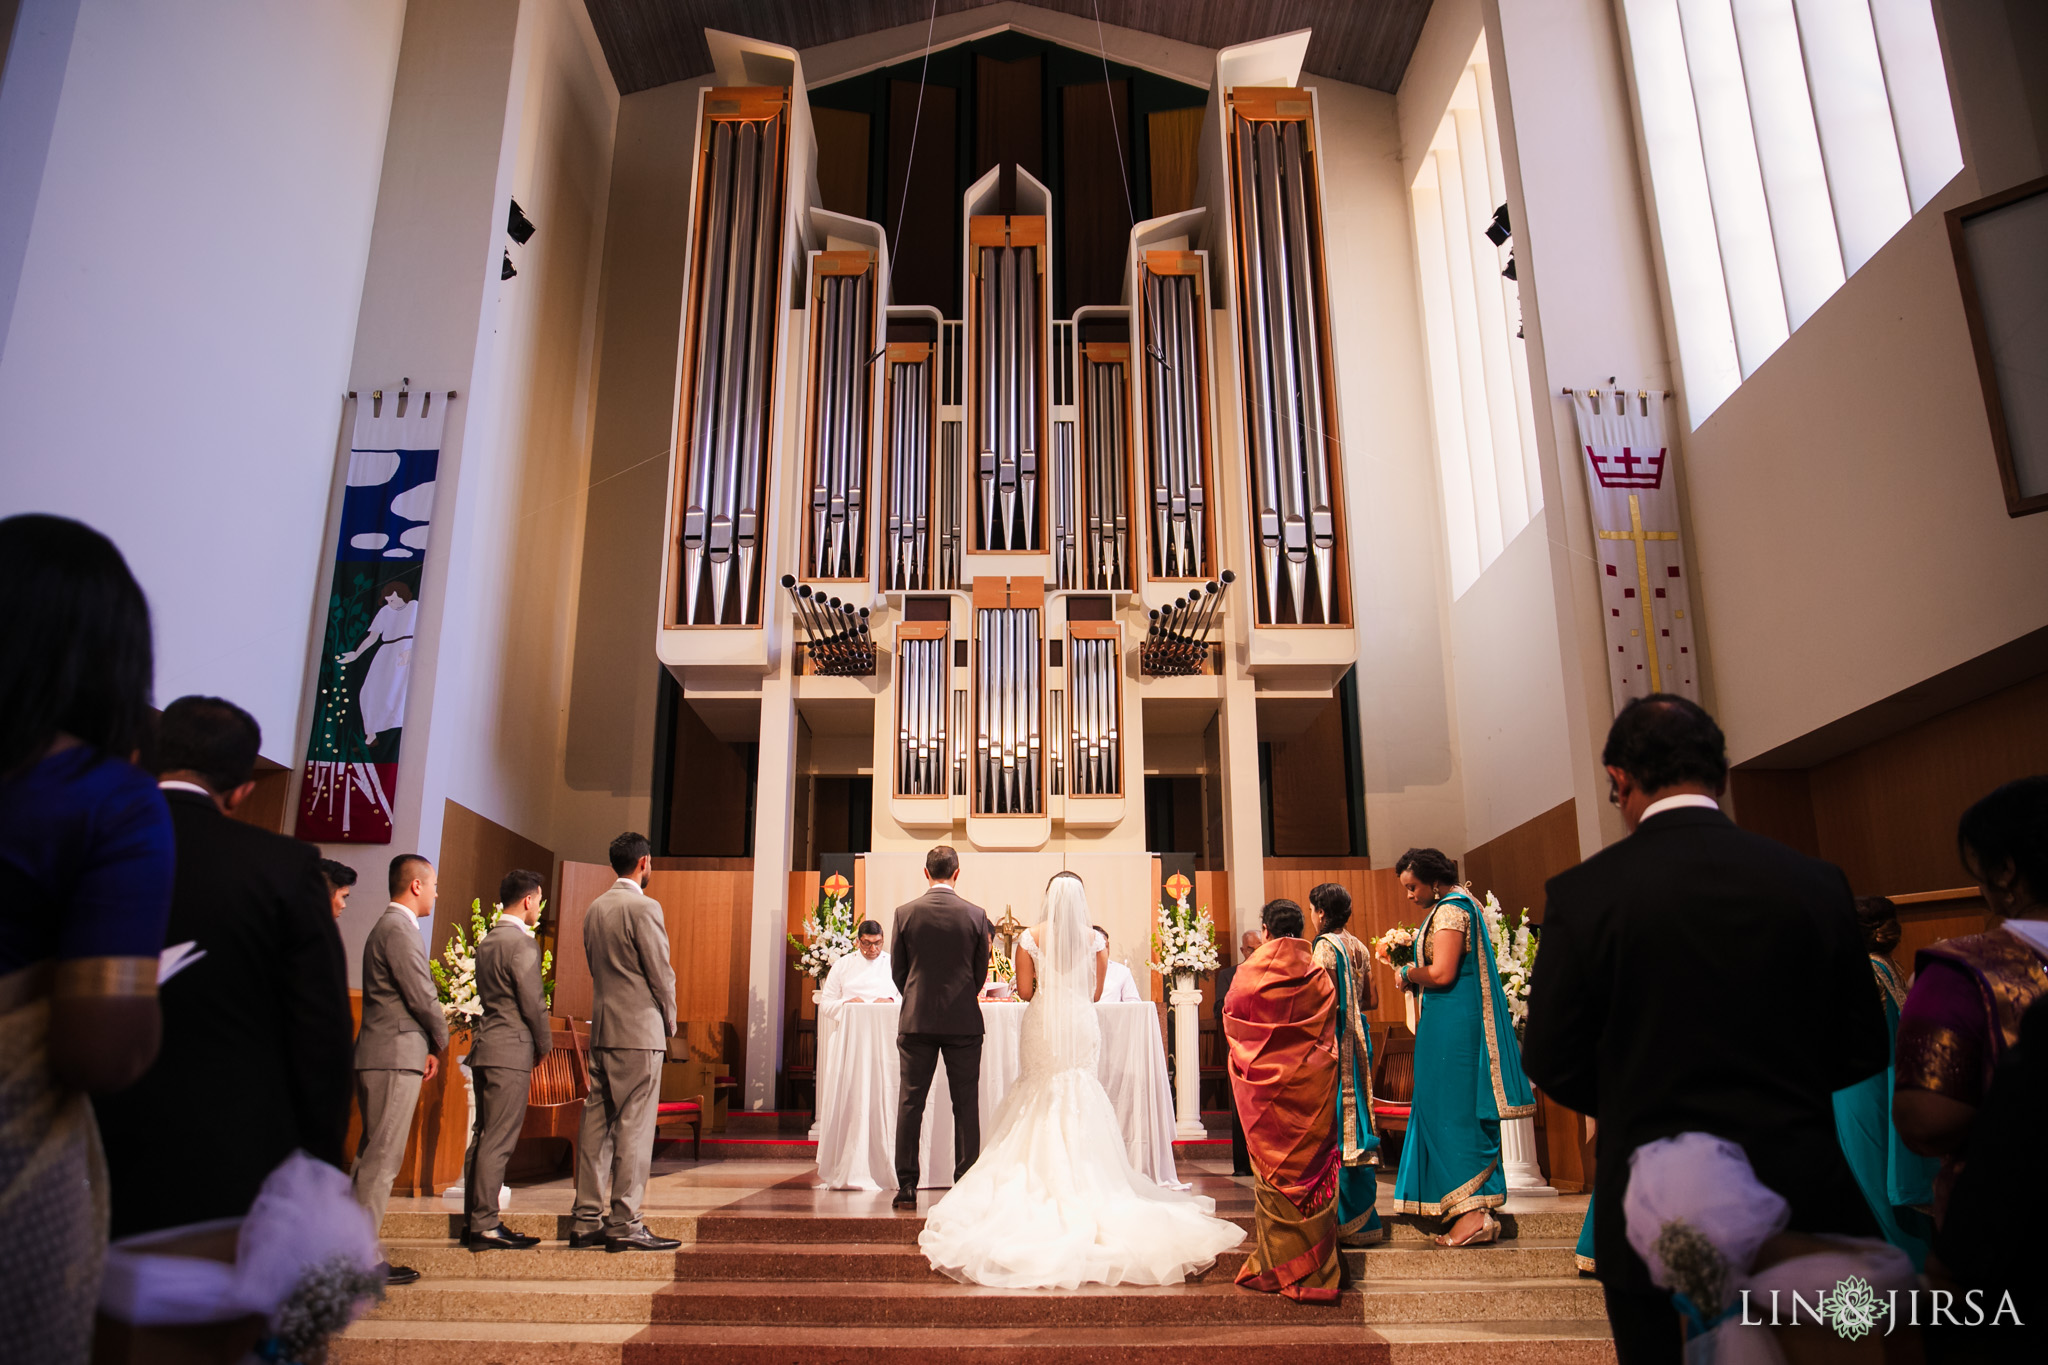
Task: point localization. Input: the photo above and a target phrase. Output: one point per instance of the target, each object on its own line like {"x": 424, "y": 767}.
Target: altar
{"x": 858, "y": 1088}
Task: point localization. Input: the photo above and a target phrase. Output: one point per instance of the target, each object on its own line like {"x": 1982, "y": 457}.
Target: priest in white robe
{"x": 860, "y": 977}
{"x": 1117, "y": 982}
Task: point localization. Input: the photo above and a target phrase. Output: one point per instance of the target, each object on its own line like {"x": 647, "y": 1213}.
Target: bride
{"x": 1054, "y": 1202}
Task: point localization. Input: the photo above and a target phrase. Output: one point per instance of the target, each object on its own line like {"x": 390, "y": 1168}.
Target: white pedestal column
{"x": 1518, "y": 1156}
{"x": 1186, "y": 999}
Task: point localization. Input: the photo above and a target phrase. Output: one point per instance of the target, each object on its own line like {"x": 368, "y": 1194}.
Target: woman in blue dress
{"x": 85, "y": 894}
{"x": 1897, "y": 1184}
{"x": 1468, "y": 1067}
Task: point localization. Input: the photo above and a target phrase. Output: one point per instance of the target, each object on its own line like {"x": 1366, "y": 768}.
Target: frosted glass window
{"x": 1478, "y": 362}
{"x": 1788, "y": 141}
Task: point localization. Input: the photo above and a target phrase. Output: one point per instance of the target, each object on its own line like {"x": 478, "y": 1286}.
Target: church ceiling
{"x": 654, "y": 42}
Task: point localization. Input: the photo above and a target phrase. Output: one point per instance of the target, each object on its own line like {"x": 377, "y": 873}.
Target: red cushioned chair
{"x": 671, "y": 1115}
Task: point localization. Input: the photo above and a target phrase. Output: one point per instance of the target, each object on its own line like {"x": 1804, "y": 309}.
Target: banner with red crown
{"x": 1645, "y": 599}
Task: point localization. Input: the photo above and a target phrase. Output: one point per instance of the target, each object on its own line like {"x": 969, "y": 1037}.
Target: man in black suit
{"x": 256, "y": 1058}
{"x": 1696, "y": 977}
{"x": 938, "y": 958}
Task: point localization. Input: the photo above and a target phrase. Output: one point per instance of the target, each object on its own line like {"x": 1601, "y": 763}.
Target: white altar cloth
{"x": 859, "y": 1083}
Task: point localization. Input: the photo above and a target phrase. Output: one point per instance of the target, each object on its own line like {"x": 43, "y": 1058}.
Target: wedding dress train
{"x": 1053, "y": 1202}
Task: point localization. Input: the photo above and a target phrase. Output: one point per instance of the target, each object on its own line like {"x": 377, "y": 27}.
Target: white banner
{"x": 1644, "y": 598}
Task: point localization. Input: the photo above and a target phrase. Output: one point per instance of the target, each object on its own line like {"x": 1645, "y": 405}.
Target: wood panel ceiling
{"x": 654, "y": 42}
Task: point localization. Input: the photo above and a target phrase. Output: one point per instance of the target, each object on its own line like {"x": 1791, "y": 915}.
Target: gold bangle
{"x": 105, "y": 978}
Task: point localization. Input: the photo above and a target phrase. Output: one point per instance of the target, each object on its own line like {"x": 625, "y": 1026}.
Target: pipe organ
{"x": 1177, "y": 424}
{"x": 730, "y": 370}
{"x": 1288, "y": 407}
{"x": 1007, "y": 265}
{"x": 842, "y": 352}
{"x": 908, "y": 560}
{"x": 1006, "y": 537}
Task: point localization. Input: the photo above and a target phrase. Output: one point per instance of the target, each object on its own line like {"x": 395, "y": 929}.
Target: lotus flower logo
{"x": 1853, "y": 1309}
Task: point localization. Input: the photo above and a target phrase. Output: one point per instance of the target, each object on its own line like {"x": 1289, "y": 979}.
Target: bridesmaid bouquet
{"x": 1396, "y": 947}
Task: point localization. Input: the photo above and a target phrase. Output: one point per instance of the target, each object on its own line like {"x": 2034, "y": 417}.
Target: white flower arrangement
{"x": 1514, "y": 957}
{"x": 1185, "y": 940}
{"x": 455, "y": 974}
{"x": 829, "y": 934}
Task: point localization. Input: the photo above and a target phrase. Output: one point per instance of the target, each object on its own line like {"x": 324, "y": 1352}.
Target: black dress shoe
{"x": 586, "y": 1241}
{"x": 400, "y": 1274}
{"x": 905, "y": 1199}
{"x": 500, "y": 1238}
{"x": 640, "y": 1239}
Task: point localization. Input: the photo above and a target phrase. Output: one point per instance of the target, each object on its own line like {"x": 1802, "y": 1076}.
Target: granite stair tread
{"x": 932, "y": 1302}
{"x": 378, "y": 1342}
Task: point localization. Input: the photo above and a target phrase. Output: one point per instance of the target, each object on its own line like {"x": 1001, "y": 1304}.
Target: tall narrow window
{"x": 1472, "y": 313}
{"x": 1788, "y": 140}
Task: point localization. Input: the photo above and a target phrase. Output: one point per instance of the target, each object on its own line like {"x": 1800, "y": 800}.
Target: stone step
{"x": 769, "y": 1303}
{"x": 377, "y": 1342}
{"x": 868, "y": 1261}
{"x": 1480, "y": 1300}
{"x": 1542, "y": 1227}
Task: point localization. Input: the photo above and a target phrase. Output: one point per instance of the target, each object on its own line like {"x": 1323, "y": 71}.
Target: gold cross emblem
{"x": 1642, "y": 539}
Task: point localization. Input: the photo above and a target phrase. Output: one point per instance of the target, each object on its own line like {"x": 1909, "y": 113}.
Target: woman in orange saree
{"x": 1281, "y": 1020}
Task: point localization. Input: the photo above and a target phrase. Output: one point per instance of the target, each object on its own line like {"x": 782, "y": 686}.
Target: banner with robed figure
{"x": 366, "y": 653}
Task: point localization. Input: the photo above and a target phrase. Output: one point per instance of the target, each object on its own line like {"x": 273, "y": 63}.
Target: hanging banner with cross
{"x": 1644, "y": 598}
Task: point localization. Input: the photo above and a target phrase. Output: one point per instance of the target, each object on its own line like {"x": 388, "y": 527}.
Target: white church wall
{"x": 495, "y": 100}
{"x": 1850, "y": 531}
{"x": 500, "y": 729}
{"x": 1413, "y": 793}
{"x": 190, "y": 265}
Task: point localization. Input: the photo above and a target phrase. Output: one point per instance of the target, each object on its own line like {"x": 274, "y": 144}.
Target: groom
{"x": 938, "y": 958}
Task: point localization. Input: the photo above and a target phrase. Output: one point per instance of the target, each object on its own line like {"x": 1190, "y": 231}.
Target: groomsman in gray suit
{"x": 403, "y": 1033}
{"x": 510, "y": 1041}
{"x": 632, "y": 1017}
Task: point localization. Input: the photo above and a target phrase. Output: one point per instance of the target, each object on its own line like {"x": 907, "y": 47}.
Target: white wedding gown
{"x": 1053, "y": 1202}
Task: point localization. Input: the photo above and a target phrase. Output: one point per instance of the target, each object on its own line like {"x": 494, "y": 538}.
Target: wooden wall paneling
{"x": 1776, "y": 803}
{"x": 925, "y": 268}
{"x": 1095, "y": 207}
{"x": 1311, "y": 810}
{"x": 1377, "y": 904}
{"x": 439, "y": 1137}
{"x": 1927, "y": 917}
{"x": 708, "y": 811}
{"x": 1887, "y": 812}
{"x": 1176, "y": 137}
{"x": 842, "y": 137}
{"x": 1009, "y": 121}
{"x": 1515, "y": 865}
{"x": 476, "y": 853}
{"x": 582, "y": 883}
{"x": 266, "y": 806}
{"x": 803, "y": 894}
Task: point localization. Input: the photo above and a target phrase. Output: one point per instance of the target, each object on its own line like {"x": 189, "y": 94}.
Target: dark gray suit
{"x": 511, "y": 1038}
{"x": 632, "y": 1017}
{"x": 402, "y": 1025}
{"x": 938, "y": 957}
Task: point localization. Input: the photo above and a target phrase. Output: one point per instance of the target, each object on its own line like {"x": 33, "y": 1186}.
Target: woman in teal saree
{"x": 1897, "y": 1184}
{"x": 1468, "y": 1067}
{"x": 1349, "y": 963}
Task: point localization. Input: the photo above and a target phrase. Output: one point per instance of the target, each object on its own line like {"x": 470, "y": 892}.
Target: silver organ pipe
{"x": 842, "y": 333}
{"x": 1105, "y": 491}
{"x": 735, "y": 298}
{"x": 1094, "y": 741}
{"x": 1280, "y": 280}
{"x": 908, "y": 534}
{"x": 1008, "y": 678}
{"x": 924, "y": 684}
{"x": 1008, "y": 396}
{"x": 1176, "y": 430}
